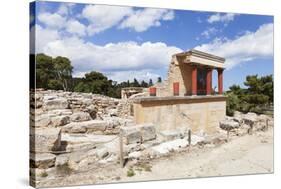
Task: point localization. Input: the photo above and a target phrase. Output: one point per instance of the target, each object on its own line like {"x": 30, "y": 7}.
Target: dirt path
{"x": 243, "y": 155}
{"x": 249, "y": 154}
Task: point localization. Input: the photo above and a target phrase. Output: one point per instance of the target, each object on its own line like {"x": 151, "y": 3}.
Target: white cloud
{"x": 75, "y": 27}
{"x": 209, "y": 32}
{"x": 65, "y": 8}
{"x": 141, "y": 20}
{"x": 221, "y": 17}
{"x": 250, "y": 46}
{"x": 52, "y": 20}
{"x": 112, "y": 59}
{"x": 102, "y": 17}
{"x": 43, "y": 37}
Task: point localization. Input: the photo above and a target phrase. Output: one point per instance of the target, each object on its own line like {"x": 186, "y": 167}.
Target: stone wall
{"x": 195, "y": 113}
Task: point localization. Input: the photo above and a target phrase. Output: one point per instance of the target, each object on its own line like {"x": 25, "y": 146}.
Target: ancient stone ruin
{"x": 75, "y": 132}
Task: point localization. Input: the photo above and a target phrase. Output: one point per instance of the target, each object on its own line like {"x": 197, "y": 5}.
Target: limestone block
{"x": 43, "y": 161}
{"x": 228, "y": 125}
{"x": 148, "y": 132}
{"x": 60, "y": 120}
{"x": 131, "y": 135}
{"x": 85, "y": 126}
{"x": 61, "y": 160}
{"x": 60, "y": 112}
{"x": 42, "y": 120}
{"x": 80, "y": 116}
{"x": 57, "y": 103}
{"x": 48, "y": 139}
{"x": 250, "y": 118}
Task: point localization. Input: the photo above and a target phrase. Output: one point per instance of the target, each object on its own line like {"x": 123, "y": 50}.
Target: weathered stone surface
{"x": 250, "y": 118}
{"x": 228, "y": 125}
{"x": 48, "y": 139}
{"x": 80, "y": 116}
{"x": 57, "y": 103}
{"x": 61, "y": 160}
{"x": 172, "y": 134}
{"x": 131, "y": 135}
{"x": 148, "y": 132}
{"x": 77, "y": 142}
{"x": 60, "y": 120}
{"x": 86, "y": 126}
{"x": 102, "y": 153}
{"x": 92, "y": 110}
{"x": 166, "y": 147}
{"x": 42, "y": 121}
{"x": 43, "y": 161}
{"x": 135, "y": 155}
{"x": 60, "y": 112}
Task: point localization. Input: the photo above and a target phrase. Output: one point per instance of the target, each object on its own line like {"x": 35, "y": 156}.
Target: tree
{"x": 94, "y": 82}
{"x": 257, "y": 94}
{"x": 63, "y": 71}
{"x": 136, "y": 83}
{"x": 144, "y": 84}
{"x": 159, "y": 80}
{"x": 150, "y": 83}
{"x": 44, "y": 70}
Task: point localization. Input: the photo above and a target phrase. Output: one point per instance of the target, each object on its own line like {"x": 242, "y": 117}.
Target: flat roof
{"x": 202, "y": 58}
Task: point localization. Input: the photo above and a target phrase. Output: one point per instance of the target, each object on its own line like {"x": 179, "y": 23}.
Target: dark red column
{"x": 152, "y": 91}
{"x": 194, "y": 81}
{"x": 220, "y": 80}
{"x": 209, "y": 81}
{"x": 176, "y": 88}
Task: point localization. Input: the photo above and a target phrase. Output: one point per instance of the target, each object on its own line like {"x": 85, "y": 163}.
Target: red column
{"x": 209, "y": 81}
{"x": 220, "y": 80}
{"x": 152, "y": 91}
{"x": 176, "y": 88}
{"x": 194, "y": 80}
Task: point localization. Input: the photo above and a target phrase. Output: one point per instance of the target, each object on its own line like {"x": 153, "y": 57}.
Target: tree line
{"x": 56, "y": 74}
{"x": 256, "y": 97}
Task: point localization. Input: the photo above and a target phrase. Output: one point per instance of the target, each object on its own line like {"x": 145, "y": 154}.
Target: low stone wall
{"x": 201, "y": 113}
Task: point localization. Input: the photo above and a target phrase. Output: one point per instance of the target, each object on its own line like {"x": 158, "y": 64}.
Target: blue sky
{"x": 129, "y": 42}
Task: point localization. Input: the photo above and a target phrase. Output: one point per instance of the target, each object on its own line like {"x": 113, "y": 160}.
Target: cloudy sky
{"x": 129, "y": 42}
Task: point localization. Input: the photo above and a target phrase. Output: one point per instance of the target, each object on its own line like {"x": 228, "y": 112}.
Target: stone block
{"x": 60, "y": 120}
{"x": 131, "y": 135}
{"x": 85, "y": 126}
{"x": 57, "y": 103}
{"x": 48, "y": 139}
{"x": 228, "y": 125}
{"x": 43, "y": 161}
{"x": 148, "y": 132}
{"x": 80, "y": 116}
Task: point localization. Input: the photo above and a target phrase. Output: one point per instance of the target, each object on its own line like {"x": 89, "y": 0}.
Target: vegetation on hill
{"x": 256, "y": 97}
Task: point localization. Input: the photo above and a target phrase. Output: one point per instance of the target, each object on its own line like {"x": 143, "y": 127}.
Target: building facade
{"x": 186, "y": 99}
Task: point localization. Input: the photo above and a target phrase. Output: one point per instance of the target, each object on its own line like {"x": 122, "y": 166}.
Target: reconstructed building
{"x": 186, "y": 99}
